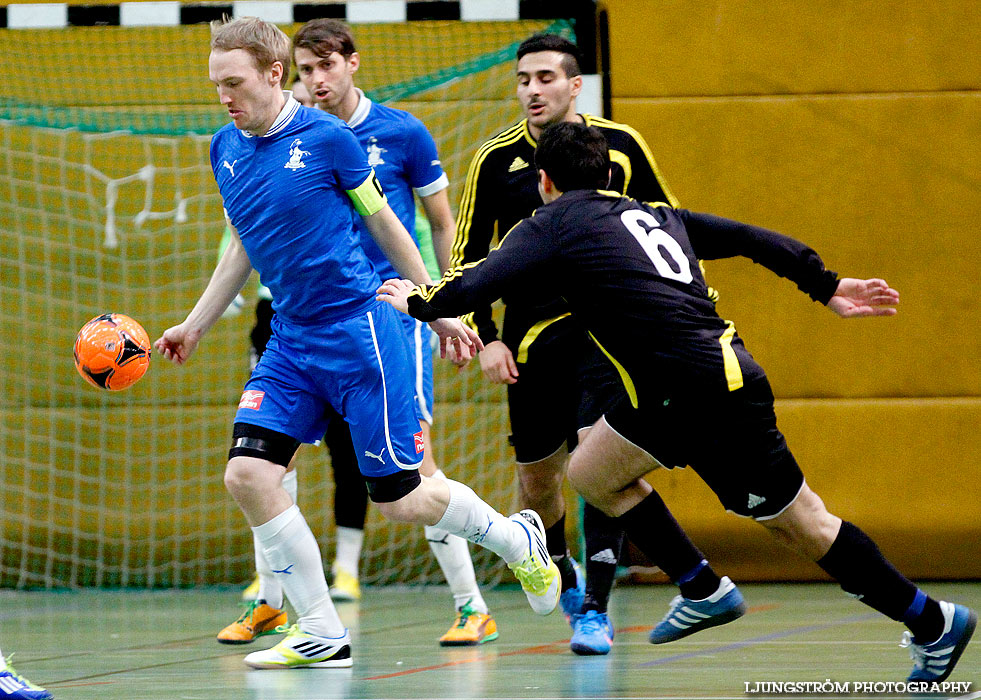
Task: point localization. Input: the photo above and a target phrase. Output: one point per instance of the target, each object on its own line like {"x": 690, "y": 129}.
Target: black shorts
{"x": 600, "y": 386}
{"x": 730, "y": 439}
{"x": 261, "y": 331}
{"x": 565, "y": 384}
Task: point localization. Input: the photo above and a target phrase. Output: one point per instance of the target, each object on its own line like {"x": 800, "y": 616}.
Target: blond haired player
{"x": 292, "y": 181}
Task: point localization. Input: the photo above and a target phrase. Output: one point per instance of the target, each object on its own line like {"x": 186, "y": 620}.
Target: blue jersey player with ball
{"x": 293, "y": 182}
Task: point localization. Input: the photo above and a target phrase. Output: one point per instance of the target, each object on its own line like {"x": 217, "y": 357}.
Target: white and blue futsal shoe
{"x": 537, "y": 573}
{"x": 688, "y": 616}
{"x": 14, "y": 686}
{"x": 935, "y": 661}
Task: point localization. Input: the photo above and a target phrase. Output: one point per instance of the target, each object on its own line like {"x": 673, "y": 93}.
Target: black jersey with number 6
{"x": 629, "y": 272}
{"x": 502, "y": 189}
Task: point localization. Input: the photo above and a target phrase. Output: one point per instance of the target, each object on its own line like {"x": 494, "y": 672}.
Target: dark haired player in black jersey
{"x": 629, "y": 271}
{"x": 557, "y": 382}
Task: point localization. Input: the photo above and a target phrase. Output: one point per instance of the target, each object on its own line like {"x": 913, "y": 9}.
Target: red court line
{"x": 559, "y": 647}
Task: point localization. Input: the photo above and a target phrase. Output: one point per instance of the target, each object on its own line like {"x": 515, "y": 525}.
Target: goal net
{"x": 107, "y": 203}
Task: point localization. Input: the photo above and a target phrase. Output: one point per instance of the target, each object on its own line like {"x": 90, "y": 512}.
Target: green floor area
{"x": 161, "y": 646}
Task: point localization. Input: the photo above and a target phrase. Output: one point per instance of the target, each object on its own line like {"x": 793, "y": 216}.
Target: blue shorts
{"x": 421, "y": 338}
{"x": 359, "y": 366}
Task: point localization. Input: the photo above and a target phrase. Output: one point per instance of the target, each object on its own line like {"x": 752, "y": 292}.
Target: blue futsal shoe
{"x": 688, "y": 616}
{"x": 16, "y": 687}
{"x": 936, "y": 661}
{"x": 592, "y": 634}
{"x": 571, "y": 599}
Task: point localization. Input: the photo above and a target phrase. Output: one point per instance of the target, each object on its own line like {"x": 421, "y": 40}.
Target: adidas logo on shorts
{"x": 755, "y": 500}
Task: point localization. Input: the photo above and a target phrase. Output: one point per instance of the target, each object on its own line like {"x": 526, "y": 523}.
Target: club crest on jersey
{"x": 375, "y": 152}
{"x": 296, "y": 156}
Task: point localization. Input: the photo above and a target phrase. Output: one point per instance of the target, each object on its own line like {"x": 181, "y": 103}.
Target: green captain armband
{"x": 368, "y": 197}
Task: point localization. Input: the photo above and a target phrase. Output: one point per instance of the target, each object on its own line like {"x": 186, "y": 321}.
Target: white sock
{"x": 294, "y": 557}
{"x": 289, "y": 483}
{"x": 453, "y": 556}
{"x": 348, "y": 551}
{"x": 469, "y": 517}
{"x": 269, "y": 588}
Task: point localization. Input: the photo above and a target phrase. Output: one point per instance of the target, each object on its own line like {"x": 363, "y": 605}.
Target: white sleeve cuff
{"x": 440, "y": 183}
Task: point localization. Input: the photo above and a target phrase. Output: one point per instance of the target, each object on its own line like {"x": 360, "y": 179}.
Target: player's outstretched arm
{"x": 465, "y": 340}
{"x": 232, "y": 272}
{"x": 855, "y": 298}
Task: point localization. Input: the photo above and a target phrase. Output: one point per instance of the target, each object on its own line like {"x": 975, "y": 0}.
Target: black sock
{"x": 924, "y": 618}
{"x": 604, "y": 538}
{"x": 555, "y": 543}
{"x": 856, "y": 563}
{"x": 655, "y": 532}
{"x": 700, "y": 582}
{"x": 555, "y": 538}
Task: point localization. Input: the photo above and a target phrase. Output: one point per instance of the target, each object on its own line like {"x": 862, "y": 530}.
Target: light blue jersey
{"x": 286, "y": 192}
{"x": 403, "y": 155}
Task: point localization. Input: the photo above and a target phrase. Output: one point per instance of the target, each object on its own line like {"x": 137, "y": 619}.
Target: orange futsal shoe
{"x": 258, "y": 619}
{"x": 469, "y": 628}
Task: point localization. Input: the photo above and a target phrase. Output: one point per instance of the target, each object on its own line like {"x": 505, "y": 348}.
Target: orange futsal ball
{"x": 112, "y": 351}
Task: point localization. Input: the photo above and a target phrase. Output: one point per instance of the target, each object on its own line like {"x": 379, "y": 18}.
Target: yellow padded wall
{"x": 747, "y": 47}
{"x": 854, "y": 127}
{"x": 881, "y": 183}
{"x": 882, "y": 187}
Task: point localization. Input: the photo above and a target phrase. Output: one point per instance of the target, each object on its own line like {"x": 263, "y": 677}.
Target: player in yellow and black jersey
{"x": 502, "y": 189}
{"x": 557, "y": 381}
{"x": 629, "y": 272}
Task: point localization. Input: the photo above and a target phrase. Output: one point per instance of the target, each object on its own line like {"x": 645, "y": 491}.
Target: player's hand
{"x": 460, "y": 362}
{"x": 497, "y": 363}
{"x": 455, "y": 333}
{"x": 856, "y": 298}
{"x": 177, "y": 343}
{"x": 396, "y": 293}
